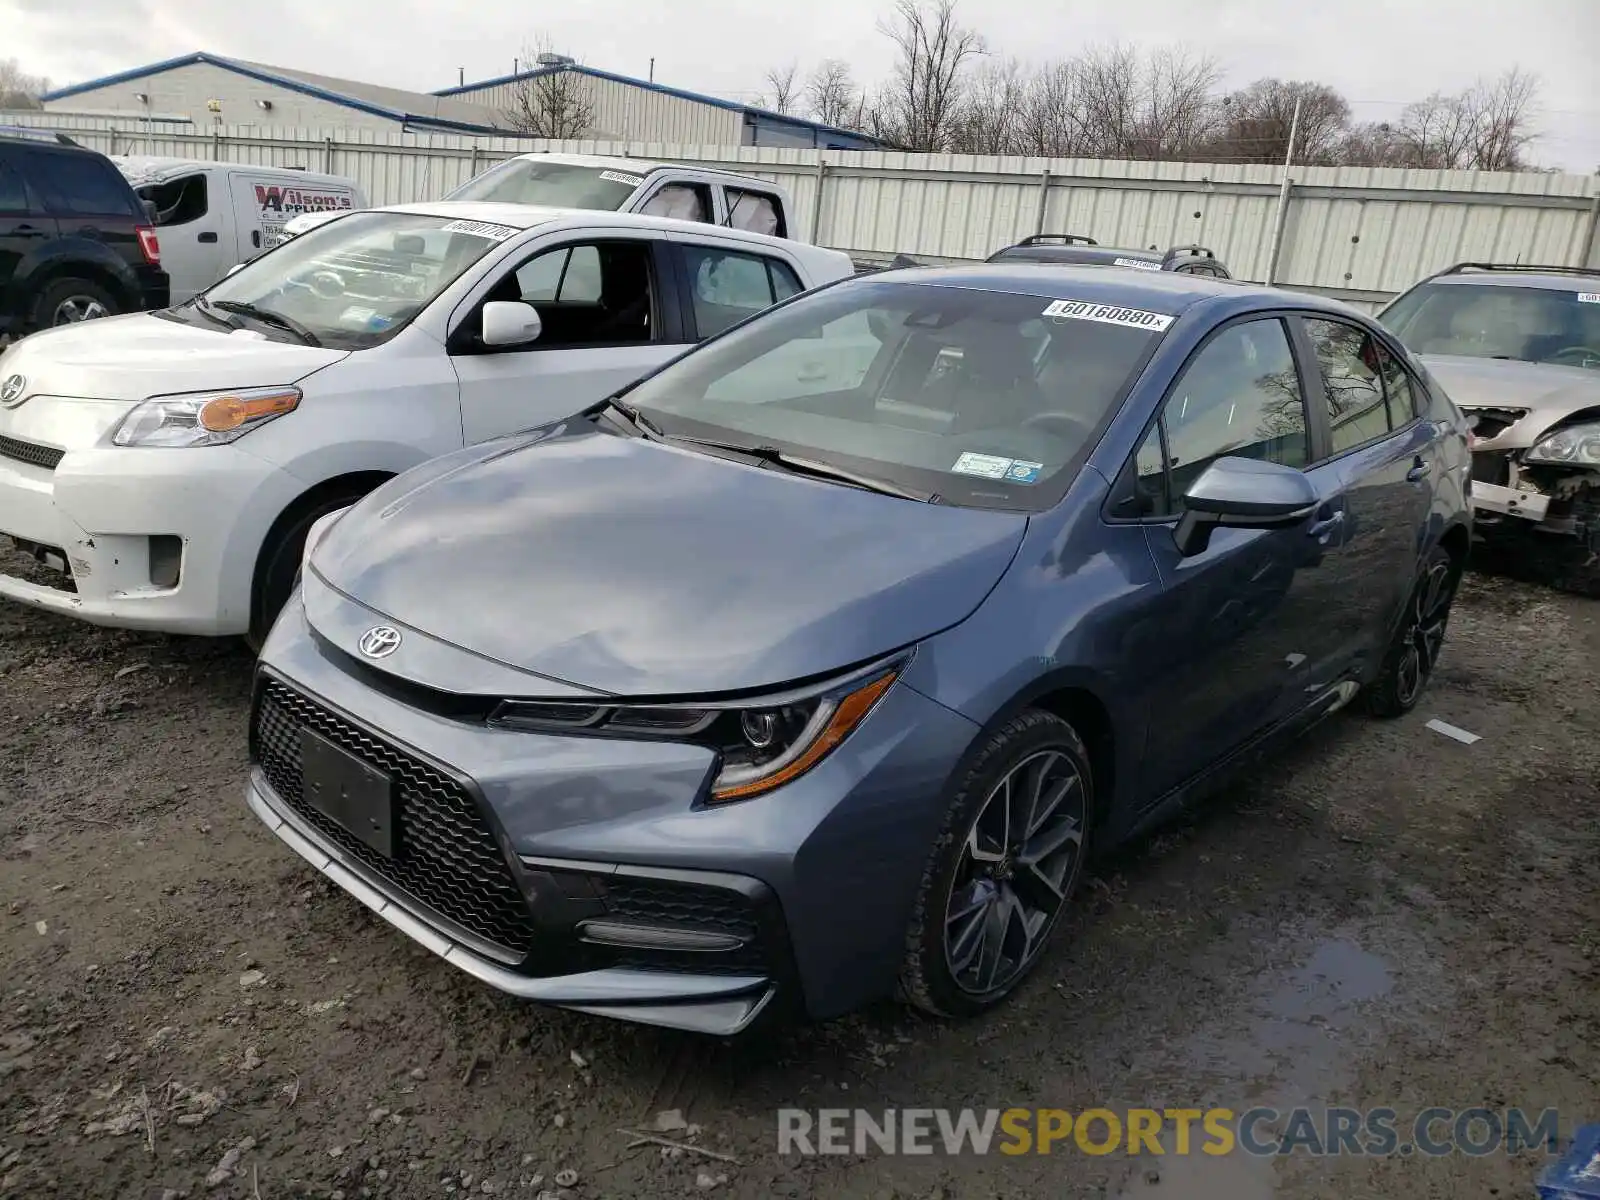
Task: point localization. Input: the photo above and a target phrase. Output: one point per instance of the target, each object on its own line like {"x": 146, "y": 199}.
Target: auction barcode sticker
{"x": 1589, "y": 297}
{"x": 1138, "y": 264}
{"x": 1108, "y": 314}
{"x": 619, "y": 177}
{"x": 483, "y": 229}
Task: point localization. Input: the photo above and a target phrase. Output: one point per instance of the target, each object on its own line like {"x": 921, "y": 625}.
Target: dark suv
{"x": 75, "y": 241}
{"x": 1085, "y": 251}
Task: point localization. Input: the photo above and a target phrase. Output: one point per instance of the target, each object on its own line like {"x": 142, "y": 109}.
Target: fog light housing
{"x": 166, "y": 560}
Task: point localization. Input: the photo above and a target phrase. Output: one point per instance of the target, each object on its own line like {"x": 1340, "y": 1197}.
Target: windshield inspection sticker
{"x": 1138, "y": 264}
{"x": 994, "y": 466}
{"x": 483, "y": 229}
{"x": 1108, "y": 314}
{"x": 1589, "y": 297}
{"x": 619, "y": 177}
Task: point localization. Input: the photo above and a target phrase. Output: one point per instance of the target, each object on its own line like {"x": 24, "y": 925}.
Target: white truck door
{"x": 609, "y": 315}
{"x": 260, "y": 208}
{"x": 194, "y": 222}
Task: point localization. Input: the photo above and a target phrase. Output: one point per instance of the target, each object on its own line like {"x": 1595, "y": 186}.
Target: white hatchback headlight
{"x": 203, "y": 418}
{"x": 1576, "y": 445}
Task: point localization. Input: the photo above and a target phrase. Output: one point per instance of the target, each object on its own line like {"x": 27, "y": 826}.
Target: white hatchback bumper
{"x": 118, "y": 516}
{"x": 1491, "y": 497}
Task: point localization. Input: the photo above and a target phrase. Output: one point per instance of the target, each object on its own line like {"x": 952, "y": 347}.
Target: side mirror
{"x": 1243, "y": 493}
{"x": 151, "y": 212}
{"x": 510, "y": 323}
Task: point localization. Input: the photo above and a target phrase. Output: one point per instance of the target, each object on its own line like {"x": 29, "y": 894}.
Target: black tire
{"x": 937, "y": 975}
{"x": 59, "y": 296}
{"x": 278, "y": 567}
{"x": 1414, "y": 650}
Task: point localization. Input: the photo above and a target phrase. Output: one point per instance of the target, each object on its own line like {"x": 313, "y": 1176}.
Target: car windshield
{"x": 354, "y": 282}
{"x": 1541, "y": 325}
{"x": 556, "y": 184}
{"x": 982, "y": 398}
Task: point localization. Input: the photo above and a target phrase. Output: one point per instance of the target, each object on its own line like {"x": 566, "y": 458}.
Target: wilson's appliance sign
{"x": 280, "y": 205}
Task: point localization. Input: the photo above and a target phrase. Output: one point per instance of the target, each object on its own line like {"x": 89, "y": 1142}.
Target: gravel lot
{"x": 1381, "y": 916}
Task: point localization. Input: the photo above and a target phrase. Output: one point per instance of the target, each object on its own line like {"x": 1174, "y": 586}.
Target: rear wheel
{"x": 1008, "y": 860}
{"x": 278, "y": 568}
{"x": 69, "y": 301}
{"x": 1414, "y": 652}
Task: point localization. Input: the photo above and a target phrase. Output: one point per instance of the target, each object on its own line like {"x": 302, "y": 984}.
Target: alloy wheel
{"x": 79, "y": 308}
{"x": 1423, "y": 635}
{"x": 1016, "y": 868}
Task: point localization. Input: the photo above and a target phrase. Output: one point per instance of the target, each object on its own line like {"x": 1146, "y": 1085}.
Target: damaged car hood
{"x": 630, "y": 567}
{"x": 1546, "y": 393}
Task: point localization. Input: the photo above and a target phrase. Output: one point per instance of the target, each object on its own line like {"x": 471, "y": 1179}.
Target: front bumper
{"x": 1509, "y": 502}
{"x": 715, "y": 1004}
{"x": 161, "y": 539}
{"x": 521, "y": 853}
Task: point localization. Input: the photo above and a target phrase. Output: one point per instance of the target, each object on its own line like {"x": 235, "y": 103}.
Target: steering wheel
{"x": 1587, "y": 353}
{"x": 1076, "y": 426}
{"x": 324, "y": 284}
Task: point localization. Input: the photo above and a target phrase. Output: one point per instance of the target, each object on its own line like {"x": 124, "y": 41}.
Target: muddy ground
{"x": 1382, "y": 916}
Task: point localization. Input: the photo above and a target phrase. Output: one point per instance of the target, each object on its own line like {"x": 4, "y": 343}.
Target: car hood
{"x": 629, "y": 567}
{"x": 1548, "y": 393}
{"x": 140, "y": 355}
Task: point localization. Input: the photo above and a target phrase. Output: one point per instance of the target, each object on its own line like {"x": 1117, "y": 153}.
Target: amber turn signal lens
{"x": 852, "y": 709}
{"x": 227, "y": 413}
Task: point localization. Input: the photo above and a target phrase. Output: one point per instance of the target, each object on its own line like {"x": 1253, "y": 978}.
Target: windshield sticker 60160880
{"x": 1108, "y": 314}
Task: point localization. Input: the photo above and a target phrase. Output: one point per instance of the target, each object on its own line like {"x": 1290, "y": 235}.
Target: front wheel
{"x": 1009, "y": 858}
{"x": 69, "y": 301}
{"x": 278, "y": 571}
{"x": 1414, "y": 652}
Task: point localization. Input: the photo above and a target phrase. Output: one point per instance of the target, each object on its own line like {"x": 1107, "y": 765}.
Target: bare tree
{"x": 1177, "y": 111}
{"x": 1485, "y": 128}
{"x": 989, "y": 118}
{"x": 1050, "y": 120}
{"x": 785, "y": 88}
{"x": 919, "y": 105}
{"x": 1107, "y": 98}
{"x": 832, "y": 95}
{"x": 18, "y": 89}
{"x": 1256, "y": 123}
{"x": 553, "y": 101}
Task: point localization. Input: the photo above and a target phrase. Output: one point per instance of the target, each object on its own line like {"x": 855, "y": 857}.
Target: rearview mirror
{"x": 1243, "y": 493}
{"x": 510, "y": 323}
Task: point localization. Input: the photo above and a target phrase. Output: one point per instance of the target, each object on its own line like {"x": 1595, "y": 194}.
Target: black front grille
{"x": 446, "y": 856}
{"x": 47, "y": 457}
{"x": 670, "y": 904}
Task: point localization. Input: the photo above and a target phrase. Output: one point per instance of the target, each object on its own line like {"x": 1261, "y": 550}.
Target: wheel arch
{"x": 352, "y": 484}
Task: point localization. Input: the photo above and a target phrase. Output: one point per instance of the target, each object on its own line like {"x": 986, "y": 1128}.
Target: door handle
{"x": 1324, "y": 529}
{"x": 207, "y": 238}
{"x": 1419, "y": 470}
{"x": 255, "y": 238}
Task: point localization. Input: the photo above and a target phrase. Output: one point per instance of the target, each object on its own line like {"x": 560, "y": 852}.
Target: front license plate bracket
{"x": 348, "y": 791}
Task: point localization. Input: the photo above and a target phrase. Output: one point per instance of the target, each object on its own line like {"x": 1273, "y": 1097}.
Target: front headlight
{"x": 203, "y": 418}
{"x": 1576, "y": 445}
{"x": 762, "y": 743}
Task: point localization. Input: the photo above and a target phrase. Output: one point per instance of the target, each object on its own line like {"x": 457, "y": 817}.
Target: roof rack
{"x": 1057, "y": 239}
{"x": 1196, "y": 251}
{"x": 1521, "y": 268}
{"x": 28, "y": 133}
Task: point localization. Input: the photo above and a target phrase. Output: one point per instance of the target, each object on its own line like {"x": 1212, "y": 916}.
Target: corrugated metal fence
{"x": 1359, "y": 233}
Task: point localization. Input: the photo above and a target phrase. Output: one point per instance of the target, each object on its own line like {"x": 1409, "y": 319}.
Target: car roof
{"x": 639, "y": 166}
{"x": 142, "y": 169}
{"x": 1574, "y": 280}
{"x": 1057, "y": 252}
{"x": 531, "y": 216}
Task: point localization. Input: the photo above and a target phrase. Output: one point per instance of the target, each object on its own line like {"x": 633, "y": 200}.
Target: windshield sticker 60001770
{"x": 1108, "y": 314}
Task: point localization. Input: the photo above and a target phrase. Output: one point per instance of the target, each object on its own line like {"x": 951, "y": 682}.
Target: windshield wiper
{"x": 646, "y": 427}
{"x": 267, "y": 317}
{"x": 773, "y": 457}
{"x": 209, "y": 311}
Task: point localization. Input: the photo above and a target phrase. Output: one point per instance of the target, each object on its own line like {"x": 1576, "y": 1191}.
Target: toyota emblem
{"x": 11, "y": 390}
{"x": 380, "y": 641}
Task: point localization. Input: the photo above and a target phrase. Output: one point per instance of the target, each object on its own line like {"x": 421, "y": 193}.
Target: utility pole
{"x": 1283, "y": 194}
{"x": 461, "y": 76}
{"x": 652, "y": 68}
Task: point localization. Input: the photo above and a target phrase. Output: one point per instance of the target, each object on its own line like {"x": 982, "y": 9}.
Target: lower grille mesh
{"x": 47, "y": 457}
{"x": 446, "y": 855}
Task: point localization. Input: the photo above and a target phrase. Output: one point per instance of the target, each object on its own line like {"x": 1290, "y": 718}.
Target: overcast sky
{"x": 1379, "y": 53}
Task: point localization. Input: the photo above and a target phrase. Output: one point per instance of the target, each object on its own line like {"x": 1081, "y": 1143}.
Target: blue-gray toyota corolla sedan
{"x": 812, "y": 665}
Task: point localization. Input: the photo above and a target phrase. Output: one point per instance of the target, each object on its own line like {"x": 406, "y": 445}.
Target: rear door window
{"x": 728, "y": 286}
{"x": 13, "y": 192}
{"x": 681, "y": 201}
{"x": 1353, "y": 366}
{"x": 83, "y": 185}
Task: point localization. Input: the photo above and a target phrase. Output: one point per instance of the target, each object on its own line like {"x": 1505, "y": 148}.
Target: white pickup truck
{"x": 168, "y": 465}
{"x": 629, "y": 185}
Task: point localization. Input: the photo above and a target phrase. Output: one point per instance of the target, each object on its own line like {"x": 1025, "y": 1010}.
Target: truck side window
{"x": 757, "y": 212}
{"x": 13, "y": 193}
{"x": 178, "y": 201}
{"x": 682, "y": 201}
